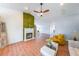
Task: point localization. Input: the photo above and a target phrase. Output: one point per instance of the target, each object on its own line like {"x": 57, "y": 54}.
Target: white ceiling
{"x": 68, "y": 9}
{"x": 54, "y": 7}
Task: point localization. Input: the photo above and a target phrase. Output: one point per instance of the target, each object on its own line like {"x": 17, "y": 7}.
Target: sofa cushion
{"x": 47, "y": 51}
{"x": 51, "y": 47}
{"x": 72, "y": 51}
{"x": 74, "y": 44}
{"x": 73, "y": 47}
{"x": 77, "y": 51}
{"x": 60, "y": 39}
{"x": 55, "y": 45}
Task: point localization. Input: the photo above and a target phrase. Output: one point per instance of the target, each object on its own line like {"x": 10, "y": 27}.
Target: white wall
{"x": 14, "y": 26}
{"x": 67, "y": 25}
{"x": 43, "y": 28}
{"x": 43, "y": 24}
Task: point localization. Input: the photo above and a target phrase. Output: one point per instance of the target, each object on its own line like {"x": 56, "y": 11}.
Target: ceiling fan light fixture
{"x": 41, "y": 3}
{"x": 41, "y": 12}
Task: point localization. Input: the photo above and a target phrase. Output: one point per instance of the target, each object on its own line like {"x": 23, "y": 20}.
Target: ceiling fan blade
{"x": 46, "y": 11}
{"x": 37, "y": 11}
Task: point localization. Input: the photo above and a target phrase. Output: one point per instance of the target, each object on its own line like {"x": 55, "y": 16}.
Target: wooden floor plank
{"x": 30, "y": 48}
{"x": 63, "y": 50}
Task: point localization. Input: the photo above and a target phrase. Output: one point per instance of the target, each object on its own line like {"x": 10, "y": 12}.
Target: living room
{"x": 32, "y": 25}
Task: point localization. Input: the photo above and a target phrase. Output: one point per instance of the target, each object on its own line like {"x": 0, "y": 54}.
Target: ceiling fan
{"x": 41, "y": 10}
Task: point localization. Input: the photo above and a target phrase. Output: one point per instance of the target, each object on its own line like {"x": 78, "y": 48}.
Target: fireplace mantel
{"x": 30, "y": 32}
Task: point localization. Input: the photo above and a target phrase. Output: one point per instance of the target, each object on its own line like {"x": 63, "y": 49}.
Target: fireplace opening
{"x": 28, "y": 35}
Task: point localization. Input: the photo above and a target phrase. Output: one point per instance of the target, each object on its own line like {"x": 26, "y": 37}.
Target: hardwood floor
{"x": 63, "y": 50}
{"x": 30, "y": 48}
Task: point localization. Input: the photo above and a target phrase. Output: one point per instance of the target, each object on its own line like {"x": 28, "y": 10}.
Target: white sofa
{"x": 73, "y": 47}
{"x": 46, "y": 51}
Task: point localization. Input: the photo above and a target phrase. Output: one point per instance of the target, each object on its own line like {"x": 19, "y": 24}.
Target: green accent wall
{"x": 28, "y": 20}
